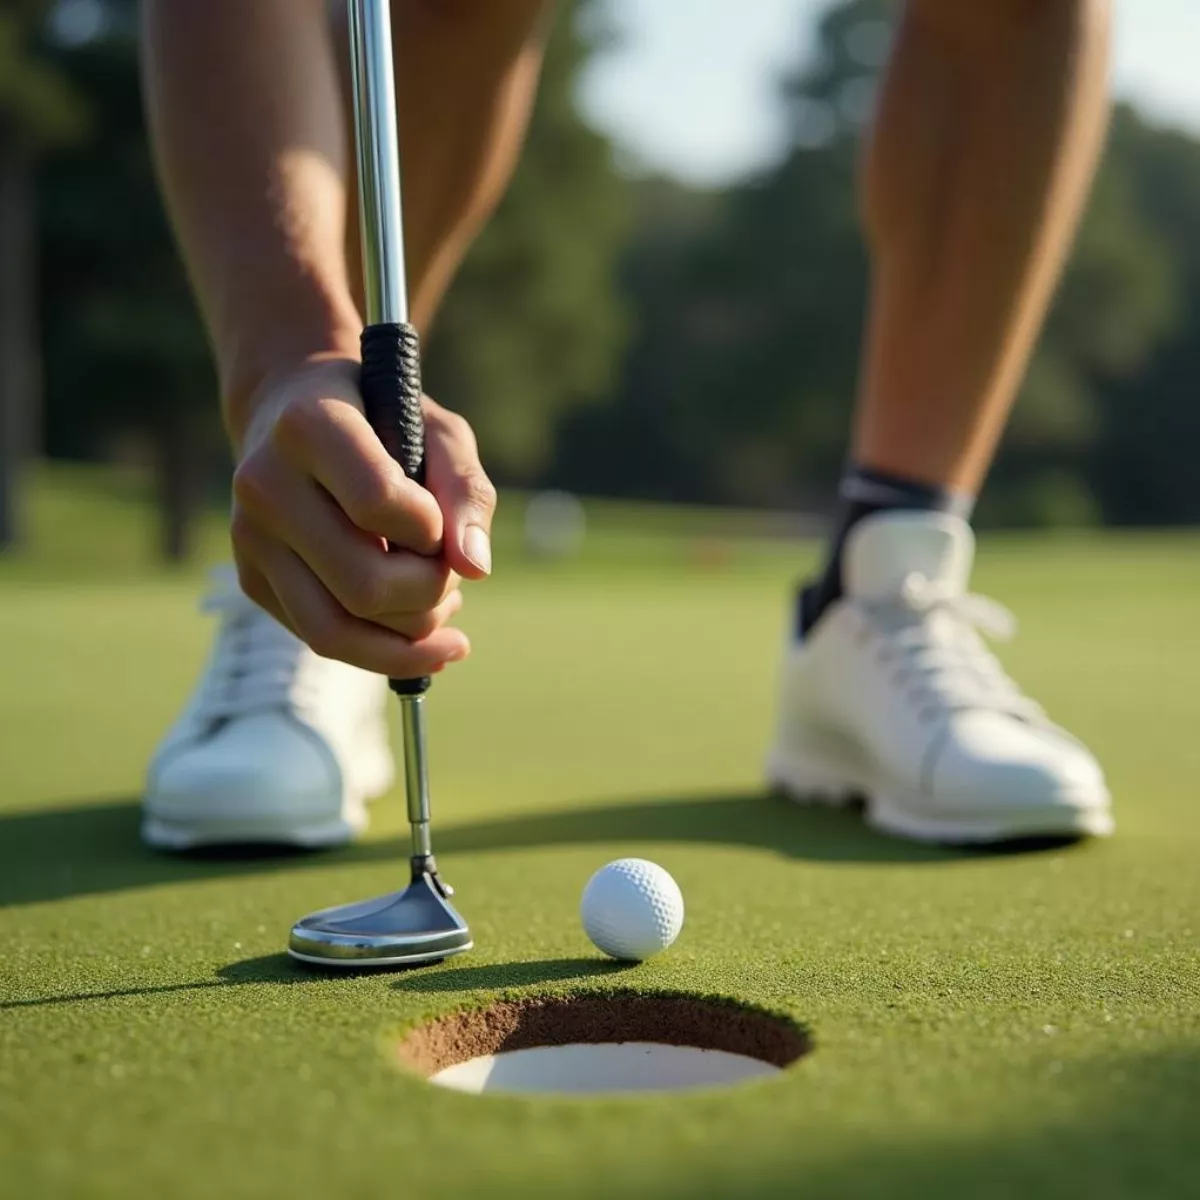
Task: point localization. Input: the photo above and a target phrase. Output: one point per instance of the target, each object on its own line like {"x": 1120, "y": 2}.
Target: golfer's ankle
{"x": 864, "y": 492}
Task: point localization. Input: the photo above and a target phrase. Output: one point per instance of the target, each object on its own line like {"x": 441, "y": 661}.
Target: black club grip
{"x": 391, "y": 390}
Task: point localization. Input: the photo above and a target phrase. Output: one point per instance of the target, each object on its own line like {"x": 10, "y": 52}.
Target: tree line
{"x": 616, "y": 335}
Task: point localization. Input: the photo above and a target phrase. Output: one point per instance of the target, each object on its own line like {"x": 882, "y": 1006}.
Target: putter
{"x": 419, "y": 924}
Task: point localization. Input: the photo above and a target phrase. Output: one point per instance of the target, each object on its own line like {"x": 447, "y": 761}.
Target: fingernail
{"x": 478, "y": 548}
{"x": 458, "y": 654}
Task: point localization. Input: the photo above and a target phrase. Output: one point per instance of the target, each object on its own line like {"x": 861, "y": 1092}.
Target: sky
{"x": 690, "y": 88}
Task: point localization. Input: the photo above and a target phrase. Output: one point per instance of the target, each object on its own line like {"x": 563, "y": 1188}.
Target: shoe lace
{"x": 256, "y": 663}
{"x": 931, "y": 637}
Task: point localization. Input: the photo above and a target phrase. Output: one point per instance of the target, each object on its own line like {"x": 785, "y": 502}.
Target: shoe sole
{"x": 820, "y": 779}
{"x": 262, "y": 831}
{"x": 277, "y": 829}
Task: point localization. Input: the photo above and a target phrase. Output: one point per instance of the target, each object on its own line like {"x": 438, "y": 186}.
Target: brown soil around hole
{"x": 621, "y": 1017}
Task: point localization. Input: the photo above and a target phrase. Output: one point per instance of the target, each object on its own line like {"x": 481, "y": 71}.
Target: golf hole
{"x": 622, "y": 1042}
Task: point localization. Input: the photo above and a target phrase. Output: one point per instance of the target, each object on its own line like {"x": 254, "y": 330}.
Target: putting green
{"x": 984, "y": 1025}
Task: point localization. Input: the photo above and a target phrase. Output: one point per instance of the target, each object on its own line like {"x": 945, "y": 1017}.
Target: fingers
{"x": 330, "y": 440}
{"x": 254, "y": 583}
{"x": 465, "y": 495}
{"x": 298, "y": 598}
{"x": 399, "y": 590}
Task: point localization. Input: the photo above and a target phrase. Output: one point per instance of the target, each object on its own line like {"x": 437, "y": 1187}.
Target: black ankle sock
{"x": 865, "y": 492}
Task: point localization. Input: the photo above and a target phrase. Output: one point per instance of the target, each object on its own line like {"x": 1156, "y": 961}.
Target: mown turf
{"x": 985, "y": 1025}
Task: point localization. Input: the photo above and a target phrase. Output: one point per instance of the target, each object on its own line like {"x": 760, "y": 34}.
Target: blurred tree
{"x": 38, "y": 110}
{"x": 741, "y": 373}
{"x": 1144, "y": 464}
{"x": 1118, "y": 303}
{"x": 533, "y": 325}
{"x": 640, "y": 443}
{"x": 125, "y": 351}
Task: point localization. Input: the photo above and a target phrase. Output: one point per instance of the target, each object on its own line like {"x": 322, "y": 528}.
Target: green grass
{"x": 985, "y": 1025}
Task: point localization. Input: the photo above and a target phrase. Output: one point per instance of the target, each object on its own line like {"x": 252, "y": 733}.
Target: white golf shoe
{"x": 892, "y": 697}
{"x": 276, "y": 745}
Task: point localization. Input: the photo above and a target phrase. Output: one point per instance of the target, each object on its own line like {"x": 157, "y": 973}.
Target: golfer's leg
{"x": 277, "y": 744}
{"x": 991, "y": 117}
{"x": 990, "y": 123}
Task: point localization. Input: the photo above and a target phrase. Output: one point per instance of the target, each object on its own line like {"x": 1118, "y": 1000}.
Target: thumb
{"x": 455, "y": 476}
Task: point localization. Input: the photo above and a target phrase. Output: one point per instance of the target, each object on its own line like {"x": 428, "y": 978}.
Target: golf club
{"x": 418, "y": 924}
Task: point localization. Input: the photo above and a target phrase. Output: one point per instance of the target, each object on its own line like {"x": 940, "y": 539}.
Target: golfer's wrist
{"x": 249, "y": 378}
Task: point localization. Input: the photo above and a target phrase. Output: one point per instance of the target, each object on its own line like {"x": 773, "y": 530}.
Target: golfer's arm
{"x": 246, "y": 117}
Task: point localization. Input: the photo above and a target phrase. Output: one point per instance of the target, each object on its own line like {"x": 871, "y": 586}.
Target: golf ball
{"x": 632, "y": 909}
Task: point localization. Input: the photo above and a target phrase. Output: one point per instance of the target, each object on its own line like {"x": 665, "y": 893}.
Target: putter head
{"x": 417, "y": 925}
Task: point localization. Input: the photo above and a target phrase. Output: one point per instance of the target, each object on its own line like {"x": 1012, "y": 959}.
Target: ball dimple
{"x": 632, "y": 909}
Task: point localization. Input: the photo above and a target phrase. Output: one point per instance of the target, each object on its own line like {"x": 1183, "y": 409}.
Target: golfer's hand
{"x": 317, "y": 499}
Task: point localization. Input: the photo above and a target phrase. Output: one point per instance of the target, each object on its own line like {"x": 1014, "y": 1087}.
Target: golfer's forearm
{"x": 246, "y": 116}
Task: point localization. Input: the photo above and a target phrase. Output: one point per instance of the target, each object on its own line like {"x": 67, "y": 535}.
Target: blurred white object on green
{"x": 555, "y": 525}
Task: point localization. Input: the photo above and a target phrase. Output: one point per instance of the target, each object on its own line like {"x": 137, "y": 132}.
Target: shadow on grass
{"x": 267, "y": 968}
{"x": 1117, "y": 1126}
{"x": 111, "y": 994}
{"x": 270, "y": 968}
{"x": 94, "y": 848}
{"x": 757, "y": 820}
{"x": 280, "y": 969}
